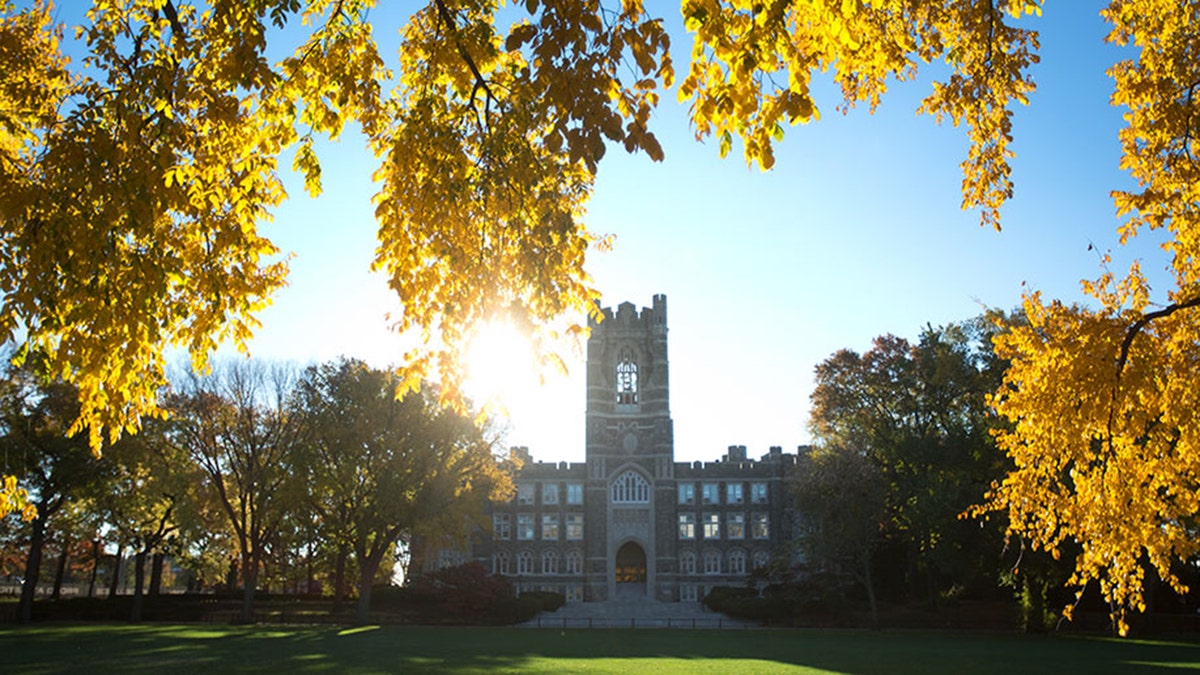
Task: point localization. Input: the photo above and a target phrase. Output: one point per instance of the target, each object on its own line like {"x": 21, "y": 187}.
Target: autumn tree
{"x": 382, "y": 468}
{"x": 237, "y": 426}
{"x": 131, "y": 193}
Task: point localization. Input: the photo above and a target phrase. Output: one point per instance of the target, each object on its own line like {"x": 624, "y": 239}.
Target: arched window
{"x": 761, "y": 558}
{"x": 737, "y": 562}
{"x": 574, "y": 562}
{"x": 630, "y": 488}
{"x": 712, "y": 562}
{"x": 550, "y": 562}
{"x": 500, "y": 563}
{"x": 687, "y": 563}
{"x": 524, "y": 562}
{"x": 627, "y": 378}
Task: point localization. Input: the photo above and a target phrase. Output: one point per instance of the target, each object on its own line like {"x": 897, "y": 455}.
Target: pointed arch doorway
{"x": 630, "y": 570}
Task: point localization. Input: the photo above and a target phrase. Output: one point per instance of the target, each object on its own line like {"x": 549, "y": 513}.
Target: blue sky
{"x": 857, "y": 232}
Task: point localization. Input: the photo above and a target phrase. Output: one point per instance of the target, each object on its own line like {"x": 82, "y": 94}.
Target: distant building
{"x": 630, "y": 521}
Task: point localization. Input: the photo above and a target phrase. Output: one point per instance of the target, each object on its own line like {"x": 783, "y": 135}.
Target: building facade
{"x": 631, "y": 522}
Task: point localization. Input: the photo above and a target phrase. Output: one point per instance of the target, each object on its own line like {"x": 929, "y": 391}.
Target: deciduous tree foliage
{"x": 131, "y": 191}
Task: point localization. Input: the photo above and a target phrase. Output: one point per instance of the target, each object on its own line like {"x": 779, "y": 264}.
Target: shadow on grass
{"x": 56, "y": 648}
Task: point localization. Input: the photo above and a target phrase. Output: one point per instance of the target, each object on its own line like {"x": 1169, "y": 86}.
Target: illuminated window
{"x": 627, "y": 379}
{"x": 712, "y": 526}
{"x": 574, "y": 526}
{"x": 760, "y": 526}
{"x": 735, "y": 526}
{"x": 687, "y": 526}
{"x": 550, "y": 527}
{"x": 630, "y": 488}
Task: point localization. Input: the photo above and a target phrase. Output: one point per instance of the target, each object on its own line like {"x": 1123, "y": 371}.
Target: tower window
{"x": 630, "y": 488}
{"x": 627, "y": 378}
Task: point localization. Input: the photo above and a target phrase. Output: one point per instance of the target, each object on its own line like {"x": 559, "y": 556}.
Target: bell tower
{"x": 630, "y": 452}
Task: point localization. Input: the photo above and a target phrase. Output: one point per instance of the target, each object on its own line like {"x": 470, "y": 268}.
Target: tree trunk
{"x": 61, "y": 571}
{"x": 139, "y": 578}
{"x": 339, "y": 578}
{"x": 249, "y": 581}
{"x": 33, "y": 566}
{"x": 870, "y": 584}
{"x": 156, "y": 567}
{"x": 115, "y": 582}
{"x": 368, "y": 565}
{"x": 95, "y": 568}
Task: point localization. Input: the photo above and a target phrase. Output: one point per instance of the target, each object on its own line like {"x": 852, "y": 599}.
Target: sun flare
{"x": 500, "y": 367}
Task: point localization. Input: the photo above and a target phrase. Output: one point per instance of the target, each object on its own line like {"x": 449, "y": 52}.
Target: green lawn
{"x": 56, "y": 648}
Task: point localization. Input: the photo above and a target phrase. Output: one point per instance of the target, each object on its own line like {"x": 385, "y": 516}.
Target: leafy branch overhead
{"x": 133, "y": 182}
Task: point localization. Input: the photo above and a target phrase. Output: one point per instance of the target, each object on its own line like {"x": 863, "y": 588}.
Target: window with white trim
{"x": 735, "y": 526}
{"x": 575, "y": 493}
{"x": 502, "y": 526}
{"x": 550, "y": 493}
{"x": 525, "y": 494}
{"x": 500, "y": 563}
{"x": 525, "y": 526}
{"x": 737, "y": 562}
{"x": 630, "y": 488}
{"x": 712, "y": 525}
{"x": 574, "y": 562}
{"x": 687, "y": 493}
{"x": 550, "y": 527}
{"x": 687, "y": 526}
{"x": 712, "y": 562}
{"x": 688, "y": 593}
{"x": 710, "y": 493}
{"x": 760, "y": 526}
{"x": 761, "y": 559}
{"x": 627, "y": 378}
{"x": 550, "y": 562}
{"x": 758, "y": 493}
{"x": 574, "y": 526}
{"x": 733, "y": 493}
{"x": 687, "y": 563}
{"x": 525, "y": 562}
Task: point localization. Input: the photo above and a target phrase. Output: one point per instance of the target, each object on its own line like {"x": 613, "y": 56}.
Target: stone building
{"x": 630, "y": 521}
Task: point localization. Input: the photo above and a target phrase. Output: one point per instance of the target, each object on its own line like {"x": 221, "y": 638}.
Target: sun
{"x": 500, "y": 370}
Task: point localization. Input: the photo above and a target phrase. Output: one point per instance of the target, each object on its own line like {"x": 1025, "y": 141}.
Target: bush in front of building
{"x": 550, "y": 600}
{"x": 742, "y": 602}
{"x": 465, "y": 595}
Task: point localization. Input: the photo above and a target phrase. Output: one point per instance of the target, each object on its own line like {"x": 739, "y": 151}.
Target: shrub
{"x": 550, "y": 600}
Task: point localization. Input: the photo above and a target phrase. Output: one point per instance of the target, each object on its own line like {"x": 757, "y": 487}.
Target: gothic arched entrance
{"x": 631, "y": 570}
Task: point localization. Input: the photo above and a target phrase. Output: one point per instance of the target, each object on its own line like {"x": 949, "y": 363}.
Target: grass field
{"x": 54, "y": 648}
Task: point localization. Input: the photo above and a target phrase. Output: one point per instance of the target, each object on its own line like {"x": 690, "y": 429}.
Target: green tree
{"x": 842, "y": 496}
{"x": 383, "y": 468}
{"x": 35, "y": 415}
{"x": 919, "y": 413}
{"x": 237, "y": 426}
